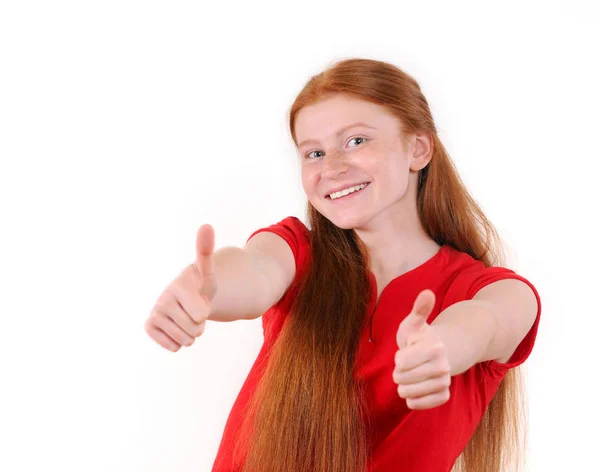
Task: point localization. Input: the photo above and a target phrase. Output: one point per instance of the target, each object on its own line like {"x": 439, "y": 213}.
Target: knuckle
{"x": 167, "y": 344}
{"x": 168, "y": 317}
{"x": 443, "y": 367}
{"x": 199, "y": 313}
{"x": 161, "y": 320}
{"x": 157, "y": 313}
{"x": 153, "y": 322}
{"x": 201, "y": 328}
{"x": 161, "y": 309}
{"x": 168, "y": 295}
{"x": 197, "y": 308}
{"x": 172, "y": 298}
{"x": 182, "y": 338}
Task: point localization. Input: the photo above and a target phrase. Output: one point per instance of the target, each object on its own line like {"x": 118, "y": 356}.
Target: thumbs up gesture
{"x": 422, "y": 369}
{"x": 180, "y": 313}
{"x": 204, "y": 275}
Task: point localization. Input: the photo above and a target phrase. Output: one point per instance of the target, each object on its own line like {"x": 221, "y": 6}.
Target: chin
{"x": 348, "y": 221}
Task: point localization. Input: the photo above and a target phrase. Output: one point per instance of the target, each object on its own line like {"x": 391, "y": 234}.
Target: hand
{"x": 422, "y": 369}
{"x": 180, "y": 313}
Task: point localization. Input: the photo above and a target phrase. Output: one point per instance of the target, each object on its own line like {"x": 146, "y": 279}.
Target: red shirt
{"x": 401, "y": 439}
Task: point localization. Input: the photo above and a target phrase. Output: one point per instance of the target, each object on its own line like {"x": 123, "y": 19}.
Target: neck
{"x": 397, "y": 245}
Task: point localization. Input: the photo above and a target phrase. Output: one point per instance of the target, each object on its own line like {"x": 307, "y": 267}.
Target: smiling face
{"x": 345, "y": 142}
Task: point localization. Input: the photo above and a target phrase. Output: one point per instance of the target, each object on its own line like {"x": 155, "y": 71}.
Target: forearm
{"x": 466, "y": 328}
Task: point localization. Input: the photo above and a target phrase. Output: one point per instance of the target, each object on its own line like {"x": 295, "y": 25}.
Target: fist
{"x": 180, "y": 313}
{"x": 422, "y": 369}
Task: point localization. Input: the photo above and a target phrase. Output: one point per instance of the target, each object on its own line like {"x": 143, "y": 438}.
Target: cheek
{"x": 397, "y": 178}
{"x": 392, "y": 177}
{"x": 310, "y": 177}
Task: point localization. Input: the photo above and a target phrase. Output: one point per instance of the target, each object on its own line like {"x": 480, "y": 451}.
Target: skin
{"x": 384, "y": 214}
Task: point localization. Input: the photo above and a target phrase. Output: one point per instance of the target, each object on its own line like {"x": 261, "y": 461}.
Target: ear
{"x": 421, "y": 148}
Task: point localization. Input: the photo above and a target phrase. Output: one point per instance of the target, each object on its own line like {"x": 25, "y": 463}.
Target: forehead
{"x": 325, "y": 117}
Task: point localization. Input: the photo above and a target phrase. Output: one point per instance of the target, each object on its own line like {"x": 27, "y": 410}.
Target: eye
{"x": 356, "y": 138}
{"x": 309, "y": 153}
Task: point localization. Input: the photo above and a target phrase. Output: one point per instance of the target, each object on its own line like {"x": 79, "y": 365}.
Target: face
{"x": 354, "y": 147}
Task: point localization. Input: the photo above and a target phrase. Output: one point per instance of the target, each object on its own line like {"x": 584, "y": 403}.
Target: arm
{"x": 489, "y": 327}
{"x": 252, "y": 279}
{"x": 466, "y": 329}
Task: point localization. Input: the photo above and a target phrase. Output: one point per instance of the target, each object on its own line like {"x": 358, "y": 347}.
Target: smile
{"x": 348, "y": 191}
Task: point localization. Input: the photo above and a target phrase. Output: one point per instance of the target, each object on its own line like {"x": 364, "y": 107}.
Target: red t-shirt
{"x": 400, "y": 438}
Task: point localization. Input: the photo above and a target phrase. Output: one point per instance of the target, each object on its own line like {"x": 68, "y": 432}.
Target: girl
{"x": 392, "y": 332}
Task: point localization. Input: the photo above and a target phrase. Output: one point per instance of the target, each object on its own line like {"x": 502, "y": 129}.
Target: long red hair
{"x": 307, "y": 411}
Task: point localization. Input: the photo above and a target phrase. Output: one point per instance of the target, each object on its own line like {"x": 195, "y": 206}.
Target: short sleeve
{"x": 471, "y": 282}
{"x": 296, "y": 234}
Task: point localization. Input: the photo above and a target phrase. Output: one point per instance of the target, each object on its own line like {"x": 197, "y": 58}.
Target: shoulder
{"x": 467, "y": 275}
{"x": 297, "y": 236}
{"x": 291, "y": 229}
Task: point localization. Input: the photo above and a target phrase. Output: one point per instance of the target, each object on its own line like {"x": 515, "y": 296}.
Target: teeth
{"x": 345, "y": 192}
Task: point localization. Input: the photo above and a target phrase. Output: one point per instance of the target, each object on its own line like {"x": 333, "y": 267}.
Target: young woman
{"x": 392, "y": 331}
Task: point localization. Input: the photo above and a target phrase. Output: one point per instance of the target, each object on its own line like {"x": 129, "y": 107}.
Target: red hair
{"x": 307, "y": 411}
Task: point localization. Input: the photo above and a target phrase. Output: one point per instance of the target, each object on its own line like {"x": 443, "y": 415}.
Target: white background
{"x": 126, "y": 125}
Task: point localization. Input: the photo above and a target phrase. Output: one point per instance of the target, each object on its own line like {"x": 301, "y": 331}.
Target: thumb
{"x": 205, "y": 244}
{"x": 417, "y": 318}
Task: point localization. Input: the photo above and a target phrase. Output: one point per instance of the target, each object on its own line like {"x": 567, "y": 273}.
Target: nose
{"x": 334, "y": 164}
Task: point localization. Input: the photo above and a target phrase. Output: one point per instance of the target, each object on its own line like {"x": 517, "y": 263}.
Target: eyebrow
{"x": 339, "y": 132}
